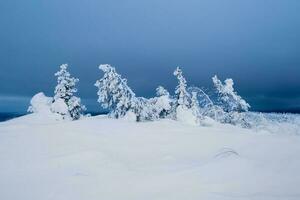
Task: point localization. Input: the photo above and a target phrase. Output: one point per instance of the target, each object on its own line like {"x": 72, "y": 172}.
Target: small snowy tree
{"x": 64, "y": 93}
{"x": 230, "y": 100}
{"x": 206, "y": 106}
{"x": 145, "y": 109}
{"x": 114, "y": 93}
{"x": 183, "y": 98}
{"x": 75, "y": 107}
{"x": 65, "y": 87}
{"x": 163, "y": 103}
{"x": 231, "y": 103}
{"x": 195, "y": 105}
{"x": 183, "y": 104}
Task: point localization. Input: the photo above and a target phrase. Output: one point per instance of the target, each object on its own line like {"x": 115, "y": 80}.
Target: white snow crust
{"x": 43, "y": 158}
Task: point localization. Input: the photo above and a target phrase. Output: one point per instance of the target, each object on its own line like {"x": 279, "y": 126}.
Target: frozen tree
{"x": 183, "y": 98}
{"x": 230, "y": 100}
{"x": 75, "y": 107}
{"x": 185, "y": 110}
{"x": 206, "y": 106}
{"x": 163, "y": 103}
{"x": 145, "y": 109}
{"x": 161, "y": 91}
{"x": 231, "y": 103}
{"x": 114, "y": 93}
{"x": 195, "y": 105}
{"x": 153, "y": 108}
{"x": 65, "y": 87}
{"x": 64, "y": 93}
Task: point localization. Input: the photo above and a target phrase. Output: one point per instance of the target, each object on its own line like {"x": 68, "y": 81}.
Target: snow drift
{"x": 102, "y": 158}
{"x": 40, "y": 103}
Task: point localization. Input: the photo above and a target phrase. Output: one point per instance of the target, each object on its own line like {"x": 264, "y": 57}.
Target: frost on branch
{"x": 65, "y": 102}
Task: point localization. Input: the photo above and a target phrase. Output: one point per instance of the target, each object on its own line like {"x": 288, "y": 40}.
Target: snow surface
{"x": 44, "y": 158}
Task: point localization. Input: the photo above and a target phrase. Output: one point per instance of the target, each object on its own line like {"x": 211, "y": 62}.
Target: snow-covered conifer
{"x": 65, "y": 91}
{"x": 232, "y": 105}
{"x": 161, "y": 91}
{"x": 163, "y": 103}
{"x": 75, "y": 107}
{"x": 145, "y": 109}
{"x": 230, "y": 100}
{"x": 113, "y": 92}
{"x": 183, "y": 98}
{"x": 65, "y": 87}
{"x": 195, "y": 105}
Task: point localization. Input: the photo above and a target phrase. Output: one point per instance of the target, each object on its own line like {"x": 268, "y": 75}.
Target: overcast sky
{"x": 255, "y": 42}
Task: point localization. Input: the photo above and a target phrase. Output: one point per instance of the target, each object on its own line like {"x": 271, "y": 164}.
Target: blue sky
{"x": 255, "y": 42}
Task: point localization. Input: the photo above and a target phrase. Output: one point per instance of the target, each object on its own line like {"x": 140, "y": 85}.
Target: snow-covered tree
{"x": 75, "y": 107}
{"x": 65, "y": 87}
{"x": 207, "y": 108}
{"x": 113, "y": 92}
{"x": 64, "y": 93}
{"x": 230, "y": 100}
{"x": 232, "y": 105}
{"x": 183, "y": 102}
{"x": 161, "y": 91}
{"x": 145, "y": 109}
{"x": 183, "y": 98}
{"x": 195, "y": 105}
{"x": 163, "y": 103}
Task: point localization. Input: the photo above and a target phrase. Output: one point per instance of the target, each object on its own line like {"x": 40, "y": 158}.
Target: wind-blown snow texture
{"x": 44, "y": 158}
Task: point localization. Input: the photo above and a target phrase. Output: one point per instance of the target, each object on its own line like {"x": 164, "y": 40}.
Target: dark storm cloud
{"x": 255, "y": 42}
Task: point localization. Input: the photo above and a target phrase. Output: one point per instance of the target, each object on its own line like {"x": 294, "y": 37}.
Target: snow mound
{"x": 129, "y": 116}
{"x": 186, "y": 116}
{"x": 40, "y": 103}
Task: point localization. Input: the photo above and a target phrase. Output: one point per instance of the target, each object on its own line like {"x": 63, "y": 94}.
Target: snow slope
{"x": 43, "y": 158}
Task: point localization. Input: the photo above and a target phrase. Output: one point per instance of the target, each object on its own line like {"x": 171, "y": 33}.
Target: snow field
{"x": 44, "y": 158}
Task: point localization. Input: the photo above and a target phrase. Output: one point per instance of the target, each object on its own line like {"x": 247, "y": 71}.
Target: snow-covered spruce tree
{"x": 75, "y": 107}
{"x": 230, "y": 100}
{"x": 163, "y": 102}
{"x": 183, "y": 101}
{"x": 114, "y": 93}
{"x": 64, "y": 94}
{"x": 195, "y": 107}
{"x": 183, "y": 98}
{"x": 145, "y": 109}
{"x": 231, "y": 103}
